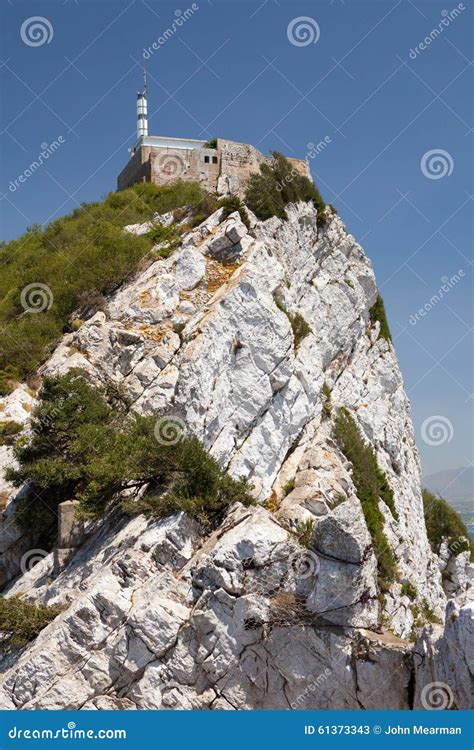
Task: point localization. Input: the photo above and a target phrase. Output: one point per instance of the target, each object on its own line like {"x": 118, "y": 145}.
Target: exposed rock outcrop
{"x": 159, "y": 616}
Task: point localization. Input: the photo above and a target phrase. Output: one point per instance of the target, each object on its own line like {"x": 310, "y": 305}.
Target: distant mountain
{"x": 456, "y": 486}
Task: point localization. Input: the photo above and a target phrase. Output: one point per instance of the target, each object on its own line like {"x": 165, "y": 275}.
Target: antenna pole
{"x": 142, "y": 110}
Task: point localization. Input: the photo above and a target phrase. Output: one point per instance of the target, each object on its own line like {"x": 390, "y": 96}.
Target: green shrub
{"x": 338, "y": 499}
{"x": 202, "y": 209}
{"x": 89, "y": 302}
{"x": 428, "y": 613}
{"x": 277, "y": 184}
{"x": 371, "y": 485}
{"x": 288, "y": 487}
{"x": 408, "y": 589}
{"x": 21, "y": 621}
{"x": 83, "y": 448}
{"x": 233, "y": 203}
{"x": 443, "y": 524}
{"x": 9, "y": 377}
{"x": 211, "y": 144}
{"x": 421, "y": 616}
{"x": 207, "y": 504}
{"x": 8, "y": 432}
{"x": 299, "y": 326}
{"x": 304, "y": 532}
{"x": 85, "y": 253}
{"x": 327, "y": 406}
{"x": 377, "y": 312}
{"x": 160, "y": 234}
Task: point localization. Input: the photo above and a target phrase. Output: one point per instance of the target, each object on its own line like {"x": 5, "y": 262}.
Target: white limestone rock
{"x": 158, "y": 616}
{"x": 444, "y": 661}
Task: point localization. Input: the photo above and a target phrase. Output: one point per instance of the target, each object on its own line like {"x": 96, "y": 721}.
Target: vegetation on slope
{"x": 299, "y": 326}
{"x": 9, "y": 431}
{"x": 377, "y": 313}
{"x": 371, "y": 486}
{"x": 81, "y": 447}
{"x": 327, "y": 406}
{"x": 21, "y": 621}
{"x": 276, "y": 185}
{"x": 76, "y": 257}
{"x": 443, "y": 524}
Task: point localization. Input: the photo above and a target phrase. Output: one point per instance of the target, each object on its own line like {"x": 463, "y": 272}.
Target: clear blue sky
{"x": 230, "y": 70}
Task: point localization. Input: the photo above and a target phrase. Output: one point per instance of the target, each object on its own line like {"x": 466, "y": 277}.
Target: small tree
{"x": 84, "y": 448}
{"x": 21, "y": 621}
{"x": 278, "y": 184}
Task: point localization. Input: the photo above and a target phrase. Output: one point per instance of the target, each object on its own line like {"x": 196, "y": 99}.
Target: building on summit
{"x": 220, "y": 165}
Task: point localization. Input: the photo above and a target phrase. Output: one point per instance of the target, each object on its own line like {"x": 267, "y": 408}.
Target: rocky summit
{"x": 259, "y": 338}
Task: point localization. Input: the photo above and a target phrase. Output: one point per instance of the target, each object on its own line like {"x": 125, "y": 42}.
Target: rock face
{"x": 156, "y": 615}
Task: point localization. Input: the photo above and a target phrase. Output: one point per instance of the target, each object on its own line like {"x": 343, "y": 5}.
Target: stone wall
{"x": 200, "y": 165}
{"x": 137, "y": 169}
{"x": 226, "y": 169}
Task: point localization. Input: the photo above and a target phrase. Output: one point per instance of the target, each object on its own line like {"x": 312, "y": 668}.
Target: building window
{"x": 214, "y": 159}
{"x": 206, "y": 159}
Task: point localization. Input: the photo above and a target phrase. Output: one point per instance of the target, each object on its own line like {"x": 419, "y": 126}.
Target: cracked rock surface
{"x": 158, "y": 615}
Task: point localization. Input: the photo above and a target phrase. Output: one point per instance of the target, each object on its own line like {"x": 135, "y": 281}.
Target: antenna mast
{"x": 142, "y": 110}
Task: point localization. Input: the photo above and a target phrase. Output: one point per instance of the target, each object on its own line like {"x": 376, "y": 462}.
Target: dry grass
{"x": 286, "y": 609}
{"x": 155, "y": 333}
{"x": 272, "y": 503}
{"x": 218, "y": 274}
{"x": 4, "y": 496}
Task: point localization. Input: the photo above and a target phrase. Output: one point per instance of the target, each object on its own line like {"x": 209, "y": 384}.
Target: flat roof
{"x": 160, "y": 141}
